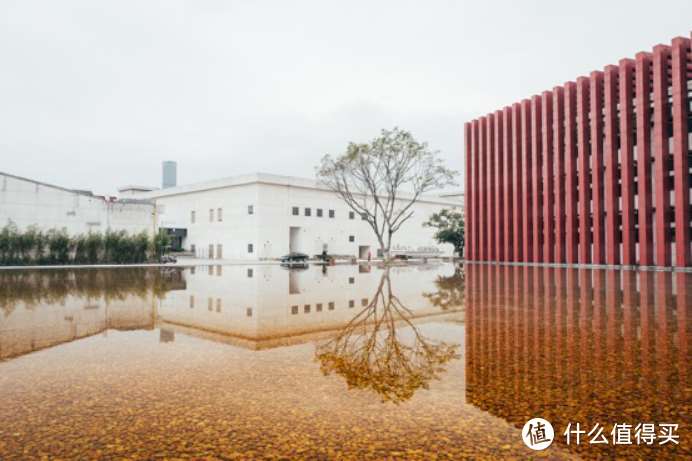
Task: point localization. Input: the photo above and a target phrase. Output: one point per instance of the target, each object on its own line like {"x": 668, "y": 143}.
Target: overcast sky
{"x": 95, "y": 94}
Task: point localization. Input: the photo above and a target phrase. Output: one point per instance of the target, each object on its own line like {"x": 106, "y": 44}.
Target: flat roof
{"x": 266, "y": 178}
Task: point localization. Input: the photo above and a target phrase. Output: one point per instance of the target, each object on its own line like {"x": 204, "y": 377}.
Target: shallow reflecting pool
{"x": 359, "y": 362}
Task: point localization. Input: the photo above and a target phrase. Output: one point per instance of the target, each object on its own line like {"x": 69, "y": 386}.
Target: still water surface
{"x": 354, "y": 362}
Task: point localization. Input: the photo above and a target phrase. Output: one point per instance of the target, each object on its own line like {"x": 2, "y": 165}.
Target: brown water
{"x": 416, "y": 362}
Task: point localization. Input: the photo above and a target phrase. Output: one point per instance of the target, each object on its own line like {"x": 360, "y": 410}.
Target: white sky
{"x": 95, "y": 94}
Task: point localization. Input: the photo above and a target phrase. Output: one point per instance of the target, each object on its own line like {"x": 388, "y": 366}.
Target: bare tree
{"x": 370, "y": 353}
{"x": 381, "y": 180}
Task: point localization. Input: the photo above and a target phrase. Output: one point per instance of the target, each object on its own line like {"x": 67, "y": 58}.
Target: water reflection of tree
{"x": 370, "y": 354}
{"x": 450, "y": 291}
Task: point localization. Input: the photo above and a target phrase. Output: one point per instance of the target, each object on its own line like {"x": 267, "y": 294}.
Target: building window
{"x": 351, "y": 215}
{"x": 364, "y": 302}
{"x": 308, "y": 212}
{"x": 211, "y": 251}
{"x": 218, "y": 270}
{"x": 306, "y": 308}
{"x": 210, "y": 269}
{"x": 351, "y": 280}
{"x": 250, "y": 273}
{"x": 218, "y": 304}
{"x": 193, "y": 248}
{"x": 351, "y": 238}
{"x": 363, "y": 217}
{"x": 294, "y": 310}
{"x": 192, "y": 270}
{"x": 318, "y": 307}
{"x": 296, "y": 211}
{"x": 219, "y": 251}
{"x": 351, "y": 303}
{"x": 250, "y": 209}
{"x": 192, "y": 302}
{"x": 250, "y": 248}
{"x": 219, "y": 214}
{"x": 192, "y": 216}
{"x": 331, "y": 213}
{"x": 319, "y": 212}
{"x": 248, "y": 312}
{"x": 330, "y": 306}
{"x": 211, "y": 215}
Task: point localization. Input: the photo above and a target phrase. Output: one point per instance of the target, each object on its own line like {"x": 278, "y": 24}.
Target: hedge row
{"x": 55, "y": 246}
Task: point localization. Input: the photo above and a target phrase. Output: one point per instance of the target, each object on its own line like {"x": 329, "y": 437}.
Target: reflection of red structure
{"x": 580, "y": 345}
{"x": 594, "y": 171}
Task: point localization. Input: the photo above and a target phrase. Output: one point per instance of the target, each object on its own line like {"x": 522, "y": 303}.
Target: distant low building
{"x": 26, "y": 202}
{"x": 263, "y": 216}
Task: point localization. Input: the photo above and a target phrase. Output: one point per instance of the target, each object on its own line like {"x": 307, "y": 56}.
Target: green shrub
{"x": 33, "y": 246}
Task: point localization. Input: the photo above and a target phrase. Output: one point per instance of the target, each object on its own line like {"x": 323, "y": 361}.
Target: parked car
{"x": 294, "y": 257}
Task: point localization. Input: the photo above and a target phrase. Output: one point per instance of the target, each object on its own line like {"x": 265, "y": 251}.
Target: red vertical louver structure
{"x": 596, "y": 171}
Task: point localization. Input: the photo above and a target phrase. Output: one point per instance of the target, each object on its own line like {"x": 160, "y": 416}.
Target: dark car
{"x": 294, "y": 257}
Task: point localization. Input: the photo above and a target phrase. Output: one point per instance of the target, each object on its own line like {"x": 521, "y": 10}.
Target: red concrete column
{"x": 476, "y": 191}
{"x": 559, "y": 159}
{"x": 625, "y": 81}
{"x": 596, "y": 124}
{"x": 499, "y": 181}
{"x": 584, "y": 207}
{"x": 507, "y": 225}
{"x": 467, "y": 188}
{"x": 527, "y": 183}
{"x": 661, "y": 157}
{"x": 611, "y": 203}
{"x": 517, "y": 179}
{"x": 548, "y": 177}
{"x": 537, "y": 192}
{"x": 571, "y": 182}
{"x": 483, "y": 200}
{"x": 490, "y": 191}
{"x": 643, "y": 89}
{"x": 680, "y": 64}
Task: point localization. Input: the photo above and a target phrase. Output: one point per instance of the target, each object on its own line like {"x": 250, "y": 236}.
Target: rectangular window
{"x": 250, "y": 273}
{"x": 351, "y": 303}
{"x": 364, "y": 302}
{"x": 306, "y": 308}
{"x": 192, "y": 216}
{"x": 219, "y": 251}
{"x": 192, "y": 302}
{"x": 218, "y": 270}
{"x": 308, "y": 212}
{"x": 250, "y": 209}
{"x": 294, "y": 310}
{"x": 248, "y": 312}
{"x": 218, "y": 304}
{"x": 211, "y": 215}
{"x": 211, "y": 252}
{"x": 250, "y": 248}
{"x": 351, "y": 280}
{"x": 319, "y": 212}
{"x": 351, "y": 238}
{"x": 363, "y": 217}
{"x": 192, "y": 270}
{"x": 318, "y": 307}
{"x": 330, "y": 306}
{"x": 219, "y": 214}
{"x": 296, "y": 211}
{"x": 331, "y": 213}
{"x": 351, "y": 215}
{"x": 193, "y": 248}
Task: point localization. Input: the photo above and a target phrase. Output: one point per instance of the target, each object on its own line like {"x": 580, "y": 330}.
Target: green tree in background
{"x": 450, "y": 228}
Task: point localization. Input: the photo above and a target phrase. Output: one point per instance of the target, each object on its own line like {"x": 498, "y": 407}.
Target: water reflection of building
{"x": 576, "y": 345}
{"x": 250, "y": 306}
{"x": 266, "y": 306}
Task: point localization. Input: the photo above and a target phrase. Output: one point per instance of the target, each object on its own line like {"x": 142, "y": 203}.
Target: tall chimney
{"x": 170, "y": 174}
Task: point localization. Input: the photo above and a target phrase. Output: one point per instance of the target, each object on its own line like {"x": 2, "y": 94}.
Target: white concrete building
{"x": 264, "y": 216}
{"x": 26, "y": 202}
